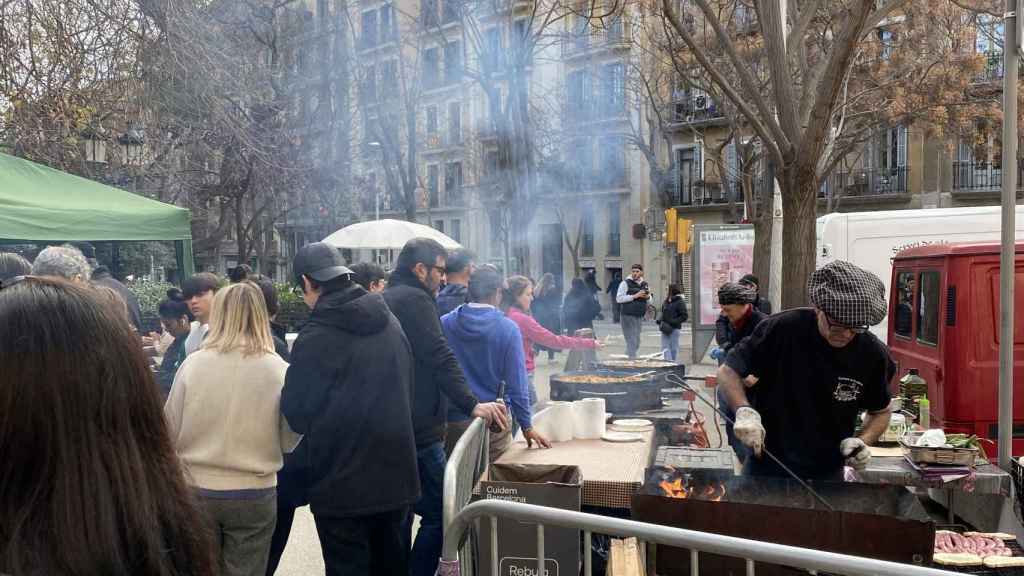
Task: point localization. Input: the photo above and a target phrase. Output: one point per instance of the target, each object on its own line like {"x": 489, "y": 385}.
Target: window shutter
{"x": 901, "y": 146}
{"x": 733, "y": 175}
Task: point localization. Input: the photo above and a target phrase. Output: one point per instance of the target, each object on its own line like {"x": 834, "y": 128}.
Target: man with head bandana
{"x": 813, "y": 370}
{"x": 738, "y": 319}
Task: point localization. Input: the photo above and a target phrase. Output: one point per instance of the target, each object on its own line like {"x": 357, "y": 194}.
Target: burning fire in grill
{"x": 679, "y": 489}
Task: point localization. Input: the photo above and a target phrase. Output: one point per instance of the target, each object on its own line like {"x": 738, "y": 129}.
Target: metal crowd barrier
{"x": 466, "y": 464}
{"x": 753, "y": 551}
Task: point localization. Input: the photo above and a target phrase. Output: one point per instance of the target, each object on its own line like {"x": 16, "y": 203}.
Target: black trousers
{"x": 365, "y": 545}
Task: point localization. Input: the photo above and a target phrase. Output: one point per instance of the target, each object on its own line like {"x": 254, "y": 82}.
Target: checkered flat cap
{"x": 849, "y": 295}
{"x": 733, "y": 293}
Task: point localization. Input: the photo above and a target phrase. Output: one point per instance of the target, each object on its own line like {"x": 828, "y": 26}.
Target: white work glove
{"x": 748, "y": 429}
{"x": 856, "y": 453}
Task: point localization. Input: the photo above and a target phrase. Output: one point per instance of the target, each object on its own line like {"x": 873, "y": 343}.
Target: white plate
{"x": 634, "y": 422}
{"x": 622, "y": 437}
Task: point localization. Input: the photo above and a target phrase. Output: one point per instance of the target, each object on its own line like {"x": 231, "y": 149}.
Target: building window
{"x": 614, "y": 229}
{"x": 582, "y": 163}
{"x": 456, "y": 231}
{"x": 431, "y": 119}
{"x": 490, "y": 165}
{"x": 579, "y": 93}
{"x": 450, "y": 11}
{"x": 389, "y": 79}
{"x": 432, "y": 186}
{"x": 370, "y": 29}
{"x": 368, "y": 91}
{"x": 521, "y": 41}
{"x": 587, "y": 223}
{"x": 687, "y": 174}
{"x": 439, "y": 225}
{"x": 431, "y": 68}
{"x": 452, "y": 62}
{"x": 886, "y": 43}
{"x": 387, "y": 24}
{"x": 614, "y": 80}
{"x": 928, "y": 308}
{"x": 453, "y": 183}
{"x": 454, "y": 123}
{"x": 492, "y": 49}
{"x": 429, "y": 15}
{"x": 904, "y": 321}
{"x": 613, "y": 161}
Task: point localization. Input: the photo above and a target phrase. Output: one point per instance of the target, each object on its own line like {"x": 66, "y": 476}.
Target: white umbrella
{"x": 385, "y": 235}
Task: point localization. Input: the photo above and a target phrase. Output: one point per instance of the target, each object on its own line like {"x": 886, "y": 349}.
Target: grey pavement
{"x": 302, "y": 556}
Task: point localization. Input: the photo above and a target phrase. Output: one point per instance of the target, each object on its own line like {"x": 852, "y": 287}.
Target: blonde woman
{"x": 225, "y": 421}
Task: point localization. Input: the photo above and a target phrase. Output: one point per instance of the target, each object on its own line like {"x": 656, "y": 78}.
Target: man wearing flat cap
{"x": 738, "y": 320}
{"x": 813, "y": 370}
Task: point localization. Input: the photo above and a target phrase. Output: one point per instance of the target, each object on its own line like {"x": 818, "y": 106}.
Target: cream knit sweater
{"x": 224, "y": 415}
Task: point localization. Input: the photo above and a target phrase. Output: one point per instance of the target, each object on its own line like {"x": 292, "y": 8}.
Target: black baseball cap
{"x": 320, "y": 261}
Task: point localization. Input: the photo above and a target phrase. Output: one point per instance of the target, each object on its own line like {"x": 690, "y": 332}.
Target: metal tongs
{"x": 681, "y": 382}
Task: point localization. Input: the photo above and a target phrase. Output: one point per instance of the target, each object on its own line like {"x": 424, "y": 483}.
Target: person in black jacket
{"x": 176, "y": 319}
{"x": 580, "y": 307}
{"x": 458, "y": 268}
{"x": 673, "y": 315}
{"x": 101, "y": 275}
{"x": 411, "y": 294}
{"x": 737, "y": 321}
{"x": 277, "y": 331}
{"x": 762, "y": 304}
{"x": 349, "y": 391}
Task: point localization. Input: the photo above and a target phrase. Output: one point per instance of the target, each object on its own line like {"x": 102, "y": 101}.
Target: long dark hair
{"x": 546, "y": 285}
{"x": 673, "y": 291}
{"x": 89, "y": 481}
{"x": 174, "y": 307}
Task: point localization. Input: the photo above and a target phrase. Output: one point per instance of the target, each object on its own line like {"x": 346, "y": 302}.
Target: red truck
{"x": 944, "y": 321}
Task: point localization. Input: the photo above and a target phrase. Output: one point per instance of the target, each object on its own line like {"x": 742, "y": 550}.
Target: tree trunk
{"x": 799, "y": 205}
{"x": 763, "y": 250}
{"x": 411, "y": 181}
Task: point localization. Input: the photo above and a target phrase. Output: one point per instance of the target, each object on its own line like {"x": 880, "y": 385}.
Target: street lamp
{"x": 95, "y": 145}
{"x": 132, "y": 140}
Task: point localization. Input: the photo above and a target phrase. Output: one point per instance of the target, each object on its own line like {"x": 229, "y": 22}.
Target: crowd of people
{"x": 194, "y": 462}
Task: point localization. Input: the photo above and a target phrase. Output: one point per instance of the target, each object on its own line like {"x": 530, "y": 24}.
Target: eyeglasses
{"x": 837, "y": 328}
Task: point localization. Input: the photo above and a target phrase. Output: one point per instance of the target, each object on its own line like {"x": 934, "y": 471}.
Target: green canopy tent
{"x": 39, "y": 203}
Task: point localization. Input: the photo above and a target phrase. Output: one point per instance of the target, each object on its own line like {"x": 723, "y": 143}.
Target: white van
{"x": 871, "y": 239}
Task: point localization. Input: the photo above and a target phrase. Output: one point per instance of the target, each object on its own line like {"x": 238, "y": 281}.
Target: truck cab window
{"x": 928, "y": 308}
{"x": 904, "y": 304}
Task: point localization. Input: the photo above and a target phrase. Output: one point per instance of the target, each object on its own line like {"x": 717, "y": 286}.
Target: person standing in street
{"x": 224, "y": 417}
{"x": 762, "y": 304}
{"x": 90, "y": 482}
{"x": 459, "y": 267}
{"x": 673, "y": 315}
{"x": 580, "y": 308}
{"x": 547, "y": 309}
{"x": 489, "y": 348}
{"x": 814, "y": 370}
{"x": 613, "y": 292}
{"x": 175, "y": 318}
{"x": 738, "y": 320}
{"x": 198, "y": 291}
{"x": 410, "y": 295}
{"x": 370, "y": 276}
{"x": 516, "y": 303}
{"x": 349, "y": 391}
{"x": 633, "y": 296}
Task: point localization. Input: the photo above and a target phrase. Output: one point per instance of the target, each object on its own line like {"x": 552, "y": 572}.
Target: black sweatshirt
{"x": 437, "y": 369}
{"x": 349, "y": 390}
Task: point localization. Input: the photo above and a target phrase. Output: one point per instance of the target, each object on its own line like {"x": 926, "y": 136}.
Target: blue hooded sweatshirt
{"x": 489, "y": 348}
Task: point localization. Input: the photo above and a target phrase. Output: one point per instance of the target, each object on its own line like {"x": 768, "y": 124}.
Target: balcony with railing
{"x": 615, "y": 35}
{"x": 866, "y": 183}
{"x": 614, "y": 175}
{"x": 695, "y": 107}
{"x": 696, "y": 192}
{"x": 981, "y": 177}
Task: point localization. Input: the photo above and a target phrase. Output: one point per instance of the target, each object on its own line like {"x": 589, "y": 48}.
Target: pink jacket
{"x": 533, "y": 332}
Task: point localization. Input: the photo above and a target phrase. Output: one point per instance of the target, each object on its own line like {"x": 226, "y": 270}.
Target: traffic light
{"x": 670, "y": 225}
{"x": 683, "y": 239}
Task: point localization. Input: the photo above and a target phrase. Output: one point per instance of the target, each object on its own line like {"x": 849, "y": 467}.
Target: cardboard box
{"x": 552, "y": 486}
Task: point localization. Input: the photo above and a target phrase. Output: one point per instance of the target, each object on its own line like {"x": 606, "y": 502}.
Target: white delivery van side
{"x": 871, "y": 239}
